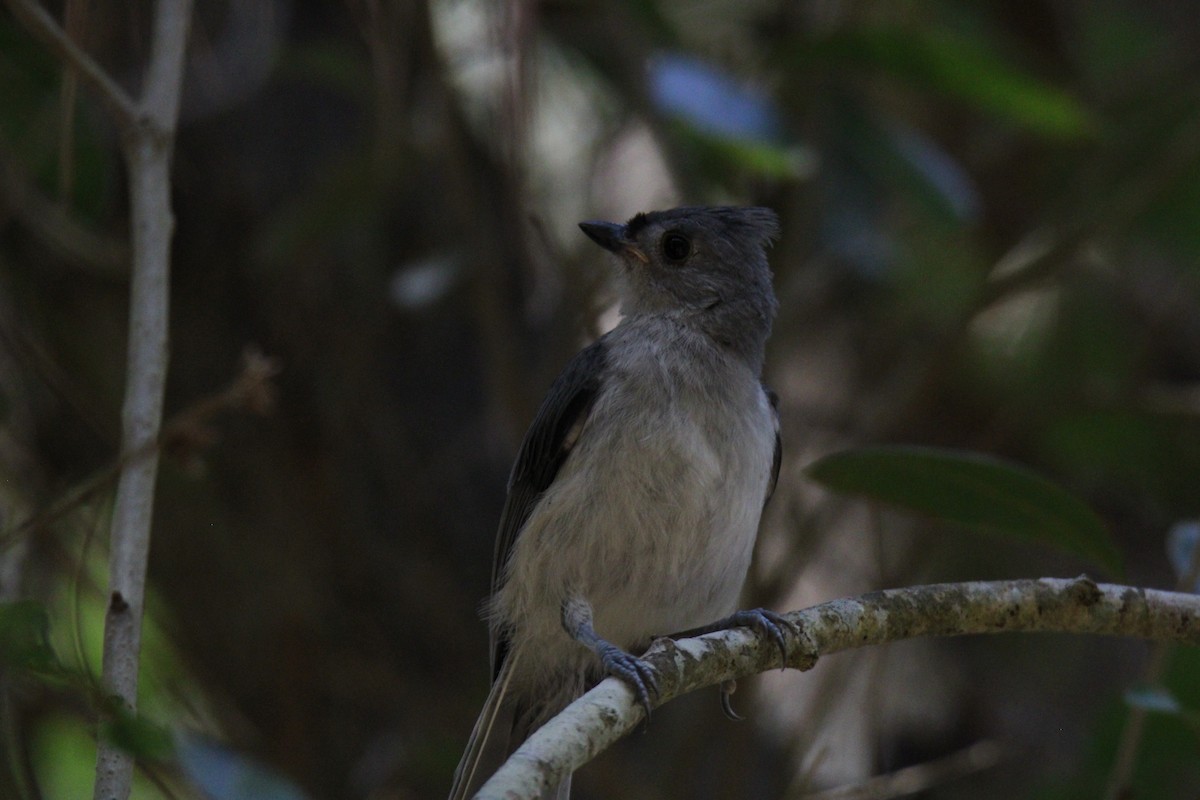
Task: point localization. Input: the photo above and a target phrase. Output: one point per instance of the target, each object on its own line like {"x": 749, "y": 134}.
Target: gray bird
{"x": 635, "y": 499}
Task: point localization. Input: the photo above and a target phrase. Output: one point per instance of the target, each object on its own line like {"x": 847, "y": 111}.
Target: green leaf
{"x": 971, "y": 489}
{"x": 25, "y": 638}
{"x": 966, "y": 69}
{"x": 137, "y": 735}
{"x": 764, "y": 159}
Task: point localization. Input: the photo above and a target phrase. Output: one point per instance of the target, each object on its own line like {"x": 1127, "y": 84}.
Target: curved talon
{"x": 727, "y": 690}
{"x": 634, "y": 671}
{"x": 768, "y": 623}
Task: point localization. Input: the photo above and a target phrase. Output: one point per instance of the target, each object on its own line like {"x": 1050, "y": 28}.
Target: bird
{"x": 635, "y": 499}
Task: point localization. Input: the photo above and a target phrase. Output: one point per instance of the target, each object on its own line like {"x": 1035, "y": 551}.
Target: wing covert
{"x": 551, "y": 436}
{"x": 777, "y": 457}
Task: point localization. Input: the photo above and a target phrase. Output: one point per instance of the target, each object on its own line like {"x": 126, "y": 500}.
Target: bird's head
{"x": 705, "y": 265}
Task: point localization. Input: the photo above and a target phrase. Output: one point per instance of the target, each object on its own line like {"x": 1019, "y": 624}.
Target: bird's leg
{"x": 577, "y": 622}
{"x": 767, "y": 623}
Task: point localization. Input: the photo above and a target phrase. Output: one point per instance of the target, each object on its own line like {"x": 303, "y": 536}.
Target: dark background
{"x": 991, "y": 217}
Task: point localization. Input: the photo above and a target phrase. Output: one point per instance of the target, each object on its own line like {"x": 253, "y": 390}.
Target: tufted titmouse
{"x": 634, "y": 502}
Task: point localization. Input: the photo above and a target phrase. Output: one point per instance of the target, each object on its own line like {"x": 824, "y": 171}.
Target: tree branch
{"x": 608, "y": 712}
{"x": 148, "y": 146}
{"x": 43, "y": 27}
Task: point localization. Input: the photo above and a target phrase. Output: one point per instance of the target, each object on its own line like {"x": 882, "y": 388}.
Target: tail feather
{"x": 488, "y": 746}
{"x": 507, "y": 719}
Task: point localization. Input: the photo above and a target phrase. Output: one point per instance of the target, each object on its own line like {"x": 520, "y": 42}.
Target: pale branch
{"x": 43, "y": 26}
{"x": 606, "y": 713}
{"x": 148, "y": 147}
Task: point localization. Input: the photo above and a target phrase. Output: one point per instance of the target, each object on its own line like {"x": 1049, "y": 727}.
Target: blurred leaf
{"x": 1171, "y": 216}
{"x": 721, "y": 154}
{"x": 971, "y": 489}
{"x": 1153, "y": 698}
{"x": 966, "y": 69}
{"x": 938, "y": 169}
{"x": 223, "y": 774}
{"x": 728, "y": 123}
{"x": 711, "y": 100}
{"x": 28, "y": 75}
{"x": 30, "y": 129}
{"x": 63, "y": 751}
{"x": 902, "y": 159}
{"x": 1182, "y": 540}
{"x": 1166, "y": 759}
{"x": 1110, "y": 42}
{"x": 24, "y": 638}
{"x": 1141, "y": 454}
{"x": 936, "y": 279}
{"x": 767, "y": 160}
{"x": 137, "y": 736}
{"x": 327, "y": 64}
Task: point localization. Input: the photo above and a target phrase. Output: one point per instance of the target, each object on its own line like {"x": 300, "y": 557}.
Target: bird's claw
{"x": 634, "y": 671}
{"x": 727, "y": 690}
{"x": 769, "y": 624}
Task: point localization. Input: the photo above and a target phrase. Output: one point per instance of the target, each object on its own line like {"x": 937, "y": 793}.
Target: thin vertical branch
{"x": 148, "y": 138}
{"x": 75, "y": 23}
{"x": 148, "y": 146}
{"x": 1125, "y": 760}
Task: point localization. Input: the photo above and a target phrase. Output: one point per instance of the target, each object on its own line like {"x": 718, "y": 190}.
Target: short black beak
{"x": 608, "y": 235}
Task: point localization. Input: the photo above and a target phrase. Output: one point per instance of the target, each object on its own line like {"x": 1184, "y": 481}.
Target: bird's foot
{"x": 634, "y": 671}
{"x": 767, "y": 623}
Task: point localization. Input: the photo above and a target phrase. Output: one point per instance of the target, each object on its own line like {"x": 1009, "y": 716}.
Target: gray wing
{"x": 548, "y": 442}
{"x": 777, "y": 458}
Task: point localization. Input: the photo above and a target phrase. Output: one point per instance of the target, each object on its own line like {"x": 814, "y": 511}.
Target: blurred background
{"x": 991, "y": 242}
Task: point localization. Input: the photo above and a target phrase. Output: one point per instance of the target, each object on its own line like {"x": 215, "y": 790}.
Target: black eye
{"x": 676, "y": 247}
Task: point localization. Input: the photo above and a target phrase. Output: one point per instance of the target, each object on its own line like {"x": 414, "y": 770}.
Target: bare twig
{"x": 74, "y": 23}
{"x": 42, "y": 26}
{"x": 251, "y": 390}
{"x": 1118, "y": 212}
{"x": 55, "y": 226}
{"x": 919, "y": 777}
{"x": 1135, "y": 724}
{"x": 609, "y": 711}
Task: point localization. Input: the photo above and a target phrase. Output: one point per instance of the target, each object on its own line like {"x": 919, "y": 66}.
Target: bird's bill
{"x": 612, "y": 237}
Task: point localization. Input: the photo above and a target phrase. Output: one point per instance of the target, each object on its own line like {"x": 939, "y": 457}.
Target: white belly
{"x": 652, "y": 519}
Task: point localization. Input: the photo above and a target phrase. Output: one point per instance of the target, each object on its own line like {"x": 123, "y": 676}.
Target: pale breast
{"x": 653, "y": 517}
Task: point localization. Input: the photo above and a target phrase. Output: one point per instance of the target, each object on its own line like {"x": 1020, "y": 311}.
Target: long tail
{"x": 502, "y": 725}
{"x": 488, "y": 746}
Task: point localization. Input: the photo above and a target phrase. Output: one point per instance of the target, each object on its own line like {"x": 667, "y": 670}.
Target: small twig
{"x": 44, "y": 27}
{"x": 55, "y": 226}
{"x": 74, "y": 24}
{"x": 1135, "y": 724}
{"x": 919, "y": 777}
{"x": 252, "y": 390}
{"x": 1121, "y": 209}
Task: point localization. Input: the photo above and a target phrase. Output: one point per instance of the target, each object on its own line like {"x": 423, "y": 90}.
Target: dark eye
{"x": 676, "y": 247}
